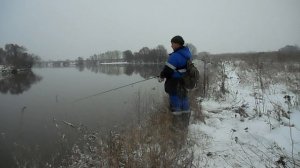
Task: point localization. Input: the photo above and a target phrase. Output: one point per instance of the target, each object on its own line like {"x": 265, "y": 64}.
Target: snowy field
{"x": 254, "y": 124}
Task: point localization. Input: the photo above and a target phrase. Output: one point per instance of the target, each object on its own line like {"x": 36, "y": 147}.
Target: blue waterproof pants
{"x": 178, "y": 103}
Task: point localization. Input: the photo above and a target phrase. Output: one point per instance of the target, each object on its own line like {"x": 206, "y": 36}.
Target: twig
{"x": 263, "y": 146}
{"x": 263, "y": 153}
{"x": 292, "y": 140}
{"x": 225, "y": 161}
{"x": 69, "y": 124}
{"x": 291, "y": 136}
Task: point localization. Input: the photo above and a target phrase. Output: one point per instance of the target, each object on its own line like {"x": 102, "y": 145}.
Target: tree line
{"x": 288, "y": 53}
{"x": 17, "y": 56}
{"x": 155, "y": 55}
{"x": 144, "y": 55}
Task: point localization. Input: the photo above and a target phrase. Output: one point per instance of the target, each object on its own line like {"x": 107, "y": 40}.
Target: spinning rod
{"x": 87, "y": 97}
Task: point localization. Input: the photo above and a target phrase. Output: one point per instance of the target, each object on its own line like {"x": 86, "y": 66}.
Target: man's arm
{"x": 166, "y": 72}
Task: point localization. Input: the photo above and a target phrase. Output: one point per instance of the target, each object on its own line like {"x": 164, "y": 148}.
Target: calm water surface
{"x": 37, "y": 108}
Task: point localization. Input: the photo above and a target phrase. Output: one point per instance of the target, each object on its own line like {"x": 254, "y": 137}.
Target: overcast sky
{"x": 67, "y": 29}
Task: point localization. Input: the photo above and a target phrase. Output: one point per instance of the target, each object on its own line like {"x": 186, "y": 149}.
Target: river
{"x": 39, "y": 111}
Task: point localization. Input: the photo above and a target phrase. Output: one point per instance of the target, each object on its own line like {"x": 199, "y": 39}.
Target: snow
{"x": 227, "y": 139}
{"x": 251, "y": 125}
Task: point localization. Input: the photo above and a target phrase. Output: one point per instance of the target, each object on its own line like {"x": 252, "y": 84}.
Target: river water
{"x": 38, "y": 109}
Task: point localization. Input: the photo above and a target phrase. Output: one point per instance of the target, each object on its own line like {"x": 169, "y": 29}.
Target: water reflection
{"x": 144, "y": 70}
{"x": 80, "y": 68}
{"x": 18, "y": 83}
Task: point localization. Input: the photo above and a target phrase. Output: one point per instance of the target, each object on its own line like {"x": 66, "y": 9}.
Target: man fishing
{"x": 173, "y": 71}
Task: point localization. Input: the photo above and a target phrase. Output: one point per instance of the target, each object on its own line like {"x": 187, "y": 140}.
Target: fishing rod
{"x": 83, "y": 98}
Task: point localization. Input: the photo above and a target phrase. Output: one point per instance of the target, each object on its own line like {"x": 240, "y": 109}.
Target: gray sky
{"x": 67, "y": 29}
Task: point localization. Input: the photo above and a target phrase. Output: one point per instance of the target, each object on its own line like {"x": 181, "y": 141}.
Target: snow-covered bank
{"x": 255, "y": 124}
{"x": 251, "y": 113}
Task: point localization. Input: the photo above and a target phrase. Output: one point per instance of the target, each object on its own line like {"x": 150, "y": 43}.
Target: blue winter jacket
{"x": 175, "y": 68}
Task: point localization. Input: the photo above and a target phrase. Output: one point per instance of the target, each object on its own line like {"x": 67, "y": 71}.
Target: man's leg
{"x": 175, "y": 104}
{"x": 186, "y": 112}
{"x": 185, "y": 106}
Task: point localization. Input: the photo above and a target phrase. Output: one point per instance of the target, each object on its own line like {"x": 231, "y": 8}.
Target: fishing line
{"x": 87, "y": 97}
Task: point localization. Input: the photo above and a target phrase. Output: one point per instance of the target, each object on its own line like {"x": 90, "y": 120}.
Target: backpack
{"x": 191, "y": 76}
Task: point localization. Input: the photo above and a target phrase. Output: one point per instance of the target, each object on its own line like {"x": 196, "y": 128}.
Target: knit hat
{"x": 178, "y": 40}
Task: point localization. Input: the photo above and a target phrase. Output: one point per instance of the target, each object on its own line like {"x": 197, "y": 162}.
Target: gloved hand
{"x": 160, "y": 79}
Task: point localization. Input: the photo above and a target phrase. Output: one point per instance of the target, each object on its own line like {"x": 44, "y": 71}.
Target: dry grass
{"x": 158, "y": 140}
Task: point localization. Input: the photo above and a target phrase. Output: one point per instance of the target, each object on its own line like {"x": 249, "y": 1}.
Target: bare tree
{"x": 79, "y": 61}
{"x": 2, "y": 56}
{"x": 17, "y": 56}
{"x": 128, "y": 56}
